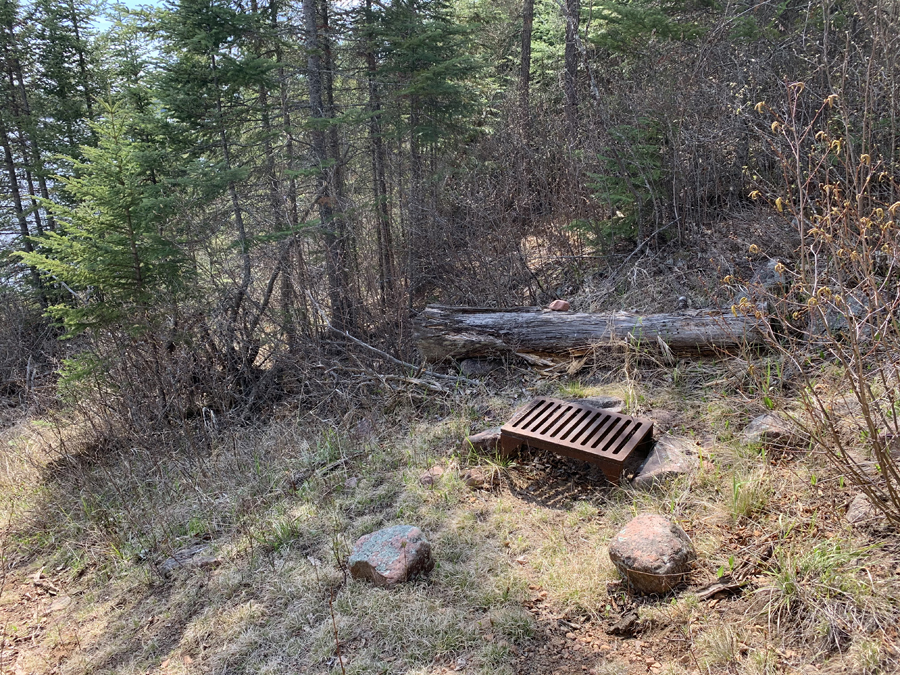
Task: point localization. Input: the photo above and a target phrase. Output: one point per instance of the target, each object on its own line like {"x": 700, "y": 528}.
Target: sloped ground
{"x": 523, "y": 582}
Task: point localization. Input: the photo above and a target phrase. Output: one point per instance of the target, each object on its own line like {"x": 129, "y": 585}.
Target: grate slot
{"x": 586, "y": 426}
{"x": 626, "y": 439}
{"x": 524, "y": 418}
{"x": 563, "y": 421}
{"x": 613, "y": 439}
{"x": 584, "y": 417}
{"x": 597, "y": 423}
{"x": 538, "y": 421}
{"x": 548, "y": 421}
{"x": 609, "y": 424}
{"x": 533, "y": 419}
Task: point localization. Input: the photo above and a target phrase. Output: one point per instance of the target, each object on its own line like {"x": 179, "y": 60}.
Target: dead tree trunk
{"x": 573, "y": 12}
{"x": 525, "y": 63}
{"x": 461, "y": 332}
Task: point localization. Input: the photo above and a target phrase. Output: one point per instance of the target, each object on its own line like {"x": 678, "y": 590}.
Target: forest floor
{"x": 523, "y": 582}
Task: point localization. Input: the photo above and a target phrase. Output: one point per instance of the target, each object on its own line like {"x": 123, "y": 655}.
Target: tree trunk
{"x": 344, "y": 241}
{"x": 379, "y": 183}
{"x": 415, "y": 230}
{"x": 459, "y": 332}
{"x": 573, "y": 10}
{"x": 286, "y": 291}
{"x": 82, "y": 64}
{"x": 237, "y": 211}
{"x": 525, "y": 64}
{"x": 337, "y": 293}
{"x": 27, "y": 127}
{"x": 10, "y": 165}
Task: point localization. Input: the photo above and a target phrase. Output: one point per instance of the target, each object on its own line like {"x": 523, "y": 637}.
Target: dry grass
{"x": 280, "y": 506}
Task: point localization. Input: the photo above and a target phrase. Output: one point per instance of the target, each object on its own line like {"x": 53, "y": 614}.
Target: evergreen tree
{"x": 65, "y": 75}
{"x": 113, "y": 251}
{"x": 209, "y": 86}
{"x": 425, "y": 65}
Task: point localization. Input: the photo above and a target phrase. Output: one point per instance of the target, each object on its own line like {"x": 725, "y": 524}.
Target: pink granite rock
{"x": 391, "y": 556}
{"x": 559, "y": 306}
{"x": 652, "y": 553}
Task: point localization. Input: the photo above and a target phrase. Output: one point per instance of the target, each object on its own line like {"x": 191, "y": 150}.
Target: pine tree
{"x": 112, "y": 251}
{"x": 209, "y": 86}
{"x": 425, "y": 66}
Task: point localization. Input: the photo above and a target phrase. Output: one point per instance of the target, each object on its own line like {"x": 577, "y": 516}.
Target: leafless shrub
{"x": 27, "y": 351}
{"x": 838, "y": 320}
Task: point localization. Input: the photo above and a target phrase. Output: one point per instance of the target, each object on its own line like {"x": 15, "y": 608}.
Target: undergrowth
{"x": 278, "y": 507}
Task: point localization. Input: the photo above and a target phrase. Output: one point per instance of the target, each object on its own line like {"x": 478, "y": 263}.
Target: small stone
{"x": 431, "y": 476}
{"x": 861, "y": 512}
{"x": 559, "y": 306}
{"x": 608, "y": 403}
{"x": 59, "y": 604}
{"x": 473, "y": 478}
{"x": 189, "y": 558}
{"x": 485, "y": 441}
{"x": 626, "y": 626}
{"x": 669, "y": 458}
{"x": 611, "y": 404}
{"x": 391, "y": 556}
{"x": 772, "y": 431}
{"x": 365, "y": 429}
{"x": 652, "y": 553}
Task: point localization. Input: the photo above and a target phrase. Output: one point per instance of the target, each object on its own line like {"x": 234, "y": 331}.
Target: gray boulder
{"x": 862, "y": 513}
{"x": 773, "y": 431}
{"x": 391, "y": 556}
{"x": 669, "y": 458}
{"x": 652, "y": 553}
{"x": 611, "y": 404}
{"x": 484, "y": 441}
{"x": 191, "y": 557}
{"x": 663, "y": 420}
{"x": 771, "y": 278}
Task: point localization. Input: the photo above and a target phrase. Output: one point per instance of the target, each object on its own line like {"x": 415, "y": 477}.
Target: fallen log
{"x": 443, "y": 332}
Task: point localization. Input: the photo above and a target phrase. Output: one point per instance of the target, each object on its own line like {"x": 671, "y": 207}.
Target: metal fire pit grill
{"x": 616, "y": 443}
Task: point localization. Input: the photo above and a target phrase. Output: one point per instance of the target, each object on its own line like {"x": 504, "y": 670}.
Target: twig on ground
{"x": 337, "y": 642}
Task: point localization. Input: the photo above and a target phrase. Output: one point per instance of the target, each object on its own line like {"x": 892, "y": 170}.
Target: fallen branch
{"x": 420, "y": 370}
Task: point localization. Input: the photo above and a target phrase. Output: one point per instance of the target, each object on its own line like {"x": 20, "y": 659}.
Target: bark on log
{"x": 443, "y": 332}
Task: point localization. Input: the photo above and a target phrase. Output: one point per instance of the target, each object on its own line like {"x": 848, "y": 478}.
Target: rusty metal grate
{"x": 616, "y": 443}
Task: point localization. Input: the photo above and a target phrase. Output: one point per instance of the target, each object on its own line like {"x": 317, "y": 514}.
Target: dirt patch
{"x": 36, "y": 618}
